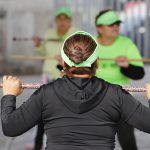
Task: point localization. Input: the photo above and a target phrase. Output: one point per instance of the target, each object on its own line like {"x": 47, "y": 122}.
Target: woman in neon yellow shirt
{"x": 120, "y": 48}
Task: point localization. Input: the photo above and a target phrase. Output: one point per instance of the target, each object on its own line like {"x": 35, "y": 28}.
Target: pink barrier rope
{"x": 37, "y": 85}
{"x": 28, "y": 86}
{"x": 134, "y": 89}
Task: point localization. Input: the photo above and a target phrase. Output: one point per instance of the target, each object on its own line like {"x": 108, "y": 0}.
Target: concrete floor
{"x": 18, "y": 143}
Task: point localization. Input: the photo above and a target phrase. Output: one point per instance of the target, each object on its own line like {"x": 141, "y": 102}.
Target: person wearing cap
{"x": 52, "y": 67}
{"x": 79, "y": 110}
{"x": 121, "y": 70}
{"x": 63, "y": 28}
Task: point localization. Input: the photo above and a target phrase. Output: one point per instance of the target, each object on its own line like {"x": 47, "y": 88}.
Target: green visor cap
{"x": 108, "y": 18}
{"x": 63, "y": 10}
{"x": 88, "y": 62}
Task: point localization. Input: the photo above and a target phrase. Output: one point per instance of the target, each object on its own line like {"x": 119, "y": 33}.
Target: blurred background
{"x": 19, "y": 18}
{"x": 26, "y": 18}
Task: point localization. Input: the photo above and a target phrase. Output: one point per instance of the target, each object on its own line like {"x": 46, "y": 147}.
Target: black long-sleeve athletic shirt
{"x": 133, "y": 72}
{"x": 78, "y": 113}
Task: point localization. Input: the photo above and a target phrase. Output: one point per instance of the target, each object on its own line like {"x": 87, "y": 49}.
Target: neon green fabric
{"x": 50, "y": 48}
{"x": 63, "y": 10}
{"x": 108, "y": 18}
{"x": 86, "y": 63}
{"x": 109, "y": 70}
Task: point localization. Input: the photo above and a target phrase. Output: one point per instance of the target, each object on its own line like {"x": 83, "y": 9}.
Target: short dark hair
{"x": 78, "y": 48}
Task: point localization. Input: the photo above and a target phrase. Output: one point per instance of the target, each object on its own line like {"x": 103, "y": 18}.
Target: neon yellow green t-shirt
{"x": 109, "y": 70}
{"x": 52, "y": 48}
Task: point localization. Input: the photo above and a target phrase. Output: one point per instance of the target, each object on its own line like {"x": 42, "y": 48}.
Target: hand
{"x": 59, "y": 59}
{"x": 147, "y": 86}
{"x": 122, "y": 61}
{"x": 11, "y": 86}
{"x": 36, "y": 40}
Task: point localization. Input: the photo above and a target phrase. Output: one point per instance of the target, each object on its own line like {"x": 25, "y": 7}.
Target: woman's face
{"x": 111, "y": 31}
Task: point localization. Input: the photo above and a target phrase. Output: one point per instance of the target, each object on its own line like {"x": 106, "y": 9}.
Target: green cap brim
{"x": 86, "y": 63}
{"x": 108, "y": 18}
{"x": 63, "y": 11}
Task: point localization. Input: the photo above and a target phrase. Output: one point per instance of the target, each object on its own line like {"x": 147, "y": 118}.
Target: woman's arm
{"x": 133, "y": 69}
{"x": 133, "y": 72}
{"x": 133, "y": 112}
{"x": 140, "y": 119}
{"x": 18, "y": 121}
